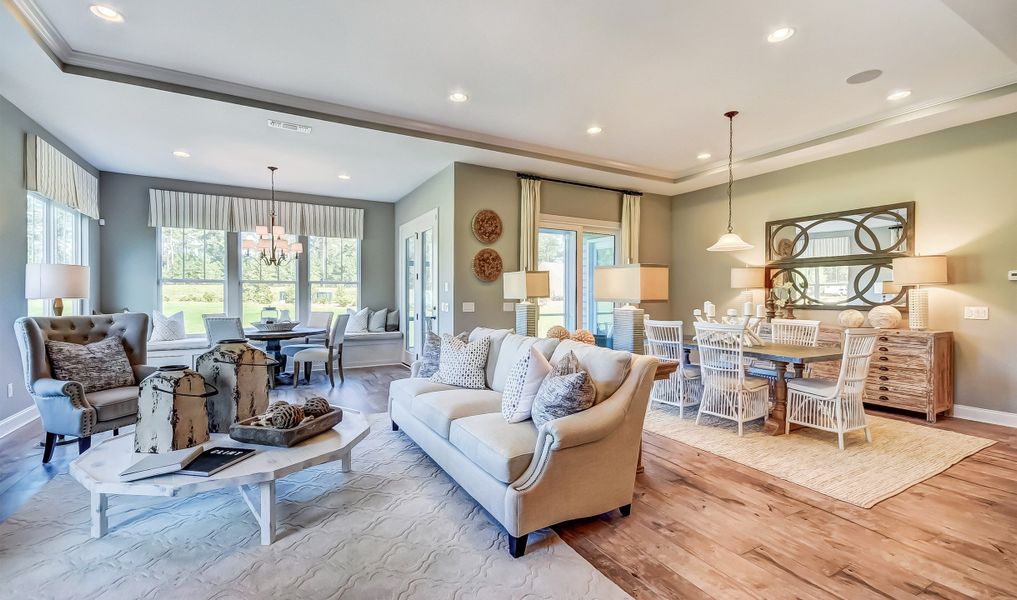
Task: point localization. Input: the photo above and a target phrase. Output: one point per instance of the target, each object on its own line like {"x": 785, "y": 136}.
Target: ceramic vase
{"x": 240, "y": 374}
{"x": 171, "y": 411}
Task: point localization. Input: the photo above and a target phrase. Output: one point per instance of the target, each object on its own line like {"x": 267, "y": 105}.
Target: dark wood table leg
{"x": 274, "y": 347}
{"x": 775, "y": 422}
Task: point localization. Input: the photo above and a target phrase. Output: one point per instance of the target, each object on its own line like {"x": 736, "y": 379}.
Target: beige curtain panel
{"x": 630, "y": 229}
{"x": 226, "y": 213}
{"x": 52, "y": 174}
{"x": 528, "y": 223}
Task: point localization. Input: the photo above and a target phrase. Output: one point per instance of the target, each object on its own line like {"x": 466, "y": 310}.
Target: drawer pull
{"x": 884, "y": 378}
{"x": 883, "y": 338}
{"x": 883, "y": 358}
{"x": 883, "y": 349}
{"x": 884, "y": 368}
{"x": 884, "y": 398}
{"x": 883, "y": 388}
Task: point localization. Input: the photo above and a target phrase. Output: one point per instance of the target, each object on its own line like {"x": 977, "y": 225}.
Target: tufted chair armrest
{"x": 63, "y": 407}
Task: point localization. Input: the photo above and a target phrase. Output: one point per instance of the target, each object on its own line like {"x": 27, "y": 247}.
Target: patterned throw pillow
{"x": 566, "y": 365}
{"x": 522, "y": 384}
{"x": 561, "y": 396}
{"x": 97, "y": 366}
{"x": 377, "y": 321}
{"x": 167, "y": 329}
{"x": 462, "y": 363}
{"x": 430, "y": 356}
{"x": 358, "y": 321}
{"x": 392, "y": 320}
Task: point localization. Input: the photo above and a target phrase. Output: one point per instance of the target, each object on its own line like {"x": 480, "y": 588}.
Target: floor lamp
{"x": 56, "y": 282}
{"x": 525, "y": 286}
{"x": 918, "y": 271}
{"x": 630, "y": 284}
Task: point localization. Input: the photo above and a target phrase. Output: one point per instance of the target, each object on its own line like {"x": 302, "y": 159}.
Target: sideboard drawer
{"x": 897, "y": 400}
{"x": 906, "y": 361}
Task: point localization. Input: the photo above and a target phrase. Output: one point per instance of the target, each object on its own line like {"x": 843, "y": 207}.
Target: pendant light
{"x": 272, "y": 241}
{"x": 730, "y": 241}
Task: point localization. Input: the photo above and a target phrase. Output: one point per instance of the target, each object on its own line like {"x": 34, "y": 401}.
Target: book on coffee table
{"x": 160, "y": 464}
{"x": 216, "y": 459}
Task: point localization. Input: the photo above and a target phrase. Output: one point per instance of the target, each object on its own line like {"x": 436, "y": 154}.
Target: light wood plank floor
{"x": 705, "y": 527}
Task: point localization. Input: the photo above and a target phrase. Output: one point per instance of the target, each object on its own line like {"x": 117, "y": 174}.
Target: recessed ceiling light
{"x": 899, "y": 95}
{"x": 458, "y": 97}
{"x": 181, "y": 154}
{"x": 344, "y": 177}
{"x": 107, "y": 13}
{"x": 779, "y": 35}
{"x": 703, "y": 155}
{"x": 594, "y": 130}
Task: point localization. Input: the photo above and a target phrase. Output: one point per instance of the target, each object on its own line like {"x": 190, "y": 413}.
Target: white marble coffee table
{"x": 99, "y": 468}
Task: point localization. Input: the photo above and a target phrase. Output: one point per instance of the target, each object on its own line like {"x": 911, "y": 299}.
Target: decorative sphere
{"x": 278, "y": 403}
{"x": 316, "y": 406}
{"x": 584, "y": 336}
{"x": 286, "y": 417}
{"x": 851, "y": 318}
{"x": 558, "y": 332}
{"x": 884, "y": 317}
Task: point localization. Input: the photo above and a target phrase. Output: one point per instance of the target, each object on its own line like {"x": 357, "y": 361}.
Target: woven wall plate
{"x": 487, "y": 265}
{"x": 487, "y": 226}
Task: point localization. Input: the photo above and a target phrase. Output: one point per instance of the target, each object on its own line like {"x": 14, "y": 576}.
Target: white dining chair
{"x": 835, "y": 405}
{"x": 665, "y": 341}
{"x": 794, "y": 332}
{"x": 319, "y": 319}
{"x": 727, "y": 391}
{"x": 331, "y": 352}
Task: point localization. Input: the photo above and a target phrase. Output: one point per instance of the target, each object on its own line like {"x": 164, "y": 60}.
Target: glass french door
{"x": 418, "y": 296}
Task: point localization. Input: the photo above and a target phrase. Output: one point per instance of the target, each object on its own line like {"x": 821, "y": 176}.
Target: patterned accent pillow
{"x": 167, "y": 329}
{"x": 430, "y": 356}
{"x": 561, "y": 396}
{"x": 463, "y": 364}
{"x": 392, "y": 320}
{"x": 358, "y": 321}
{"x": 522, "y": 384}
{"x": 97, "y": 366}
{"x": 377, "y": 321}
{"x": 566, "y": 365}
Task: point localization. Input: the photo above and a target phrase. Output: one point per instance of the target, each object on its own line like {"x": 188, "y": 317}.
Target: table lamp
{"x": 919, "y": 271}
{"x": 523, "y": 286}
{"x": 636, "y": 283}
{"x": 56, "y": 282}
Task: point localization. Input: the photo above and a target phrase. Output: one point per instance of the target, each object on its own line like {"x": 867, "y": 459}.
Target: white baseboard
{"x": 985, "y": 415}
{"x": 18, "y": 420}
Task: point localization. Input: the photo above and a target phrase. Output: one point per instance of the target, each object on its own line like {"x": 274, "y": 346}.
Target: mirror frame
{"x": 873, "y": 259}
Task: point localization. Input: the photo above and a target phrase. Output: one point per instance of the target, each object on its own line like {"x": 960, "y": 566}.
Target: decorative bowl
{"x": 275, "y": 325}
{"x": 245, "y": 431}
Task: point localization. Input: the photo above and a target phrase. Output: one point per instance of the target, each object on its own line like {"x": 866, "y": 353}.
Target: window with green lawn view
{"x": 55, "y": 236}
{"x": 266, "y": 286}
{"x": 192, "y": 274}
{"x": 333, "y": 272}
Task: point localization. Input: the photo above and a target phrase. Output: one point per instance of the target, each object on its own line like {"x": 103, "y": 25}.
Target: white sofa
{"x": 528, "y": 478}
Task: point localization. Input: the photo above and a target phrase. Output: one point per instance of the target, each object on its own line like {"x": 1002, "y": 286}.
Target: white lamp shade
{"x": 278, "y": 230}
{"x": 296, "y": 248}
{"x": 264, "y": 244}
{"x": 730, "y": 242}
{"x": 282, "y": 245}
{"x": 55, "y": 281}
{"x": 249, "y": 244}
{"x": 261, "y": 230}
{"x": 631, "y": 283}
{"x": 919, "y": 270}
{"x": 744, "y": 278}
{"x": 520, "y": 285}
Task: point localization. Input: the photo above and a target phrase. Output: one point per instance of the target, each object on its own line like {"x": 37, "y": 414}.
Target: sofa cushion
{"x": 438, "y": 410}
{"x": 607, "y": 368}
{"x": 114, "y": 403}
{"x": 497, "y": 337}
{"x": 515, "y": 347}
{"x": 415, "y": 386}
{"x": 502, "y": 449}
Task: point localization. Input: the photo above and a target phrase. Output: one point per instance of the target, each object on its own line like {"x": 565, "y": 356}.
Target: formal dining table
{"x": 782, "y": 355}
{"x": 273, "y": 344}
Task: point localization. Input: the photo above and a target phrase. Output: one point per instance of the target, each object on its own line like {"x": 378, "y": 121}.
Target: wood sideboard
{"x": 910, "y": 370}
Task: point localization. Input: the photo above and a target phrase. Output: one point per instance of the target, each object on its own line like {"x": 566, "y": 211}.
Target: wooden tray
{"x": 284, "y": 438}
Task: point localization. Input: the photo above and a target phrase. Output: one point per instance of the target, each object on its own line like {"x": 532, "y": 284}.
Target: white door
{"x": 418, "y": 310}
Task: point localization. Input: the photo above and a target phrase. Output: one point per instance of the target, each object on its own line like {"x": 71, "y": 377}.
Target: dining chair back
{"x": 320, "y": 319}
{"x": 329, "y": 354}
{"x": 218, "y": 328}
{"x": 338, "y": 333}
{"x": 665, "y": 341}
{"x": 796, "y": 332}
{"x": 727, "y": 391}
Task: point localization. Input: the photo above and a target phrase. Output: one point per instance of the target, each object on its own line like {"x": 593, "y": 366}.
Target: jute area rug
{"x": 901, "y": 454}
{"x": 396, "y": 527}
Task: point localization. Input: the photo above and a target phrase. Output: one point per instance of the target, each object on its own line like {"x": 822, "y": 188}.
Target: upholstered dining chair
{"x": 665, "y": 340}
{"x": 727, "y": 391}
{"x": 835, "y": 405}
{"x": 331, "y": 352}
{"x": 319, "y": 319}
{"x": 66, "y": 409}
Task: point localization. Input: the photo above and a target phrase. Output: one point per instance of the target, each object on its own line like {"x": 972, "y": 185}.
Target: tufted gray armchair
{"x": 64, "y": 406}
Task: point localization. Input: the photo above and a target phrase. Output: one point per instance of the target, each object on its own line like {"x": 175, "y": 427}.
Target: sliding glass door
{"x": 418, "y": 302}
{"x": 556, "y": 253}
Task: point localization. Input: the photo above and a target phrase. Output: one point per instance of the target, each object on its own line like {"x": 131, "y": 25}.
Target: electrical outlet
{"x": 976, "y": 312}
{"x": 469, "y": 307}
{"x": 508, "y": 306}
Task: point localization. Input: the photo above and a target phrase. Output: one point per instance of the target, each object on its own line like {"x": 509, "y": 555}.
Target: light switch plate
{"x": 444, "y": 307}
{"x": 1012, "y": 275}
{"x": 469, "y": 307}
{"x": 976, "y": 312}
{"x": 508, "y": 306}
{"x": 446, "y": 286}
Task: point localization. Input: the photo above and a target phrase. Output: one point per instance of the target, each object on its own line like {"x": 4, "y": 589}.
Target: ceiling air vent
{"x": 296, "y": 127}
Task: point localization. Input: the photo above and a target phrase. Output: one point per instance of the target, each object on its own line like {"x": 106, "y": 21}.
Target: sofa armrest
{"x": 415, "y": 367}
{"x": 143, "y": 371}
{"x": 588, "y": 426}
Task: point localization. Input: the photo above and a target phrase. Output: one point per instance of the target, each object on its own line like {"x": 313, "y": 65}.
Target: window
{"x": 333, "y": 273}
{"x": 192, "y": 274}
{"x": 55, "y": 236}
{"x": 263, "y": 286}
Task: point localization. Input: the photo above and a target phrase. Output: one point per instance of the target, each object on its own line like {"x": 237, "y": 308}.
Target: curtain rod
{"x": 576, "y": 183}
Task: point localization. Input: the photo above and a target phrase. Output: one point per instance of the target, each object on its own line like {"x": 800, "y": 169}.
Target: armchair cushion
{"x": 115, "y": 403}
{"x": 97, "y": 366}
{"x": 503, "y": 450}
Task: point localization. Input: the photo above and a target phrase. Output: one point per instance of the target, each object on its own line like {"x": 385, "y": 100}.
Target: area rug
{"x": 901, "y": 454}
{"x": 396, "y": 527}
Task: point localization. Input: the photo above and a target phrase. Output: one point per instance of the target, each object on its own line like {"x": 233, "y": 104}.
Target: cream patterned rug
{"x": 901, "y": 454}
{"x": 396, "y": 527}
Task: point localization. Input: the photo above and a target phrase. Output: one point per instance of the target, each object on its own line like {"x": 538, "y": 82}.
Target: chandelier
{"x": 730, "y": 241}
{"x": 276, "y": 250}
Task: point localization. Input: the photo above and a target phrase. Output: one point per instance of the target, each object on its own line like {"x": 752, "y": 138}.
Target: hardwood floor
{"x": 705, "y": 527}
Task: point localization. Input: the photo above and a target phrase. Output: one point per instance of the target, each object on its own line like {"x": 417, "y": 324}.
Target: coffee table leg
{"x": 347, "y": 462}
{"x": 99, "y": 522}
{"x": 267, "y": 516}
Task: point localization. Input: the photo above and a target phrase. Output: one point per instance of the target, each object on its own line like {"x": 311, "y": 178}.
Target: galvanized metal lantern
{"x": 171, "y": 410}
{"x": 240, "y": 372}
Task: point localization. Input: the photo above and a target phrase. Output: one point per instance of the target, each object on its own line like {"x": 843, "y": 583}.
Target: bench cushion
{"x": 371, "y": 336}
{"x": 190, "y": 343}
{"x": 438, "y": 410}
{"x": 503, "y": 450}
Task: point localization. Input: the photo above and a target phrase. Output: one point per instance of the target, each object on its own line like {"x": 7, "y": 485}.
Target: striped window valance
{"x": 52, "y": 174}
{"x": 228, "y": 213}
